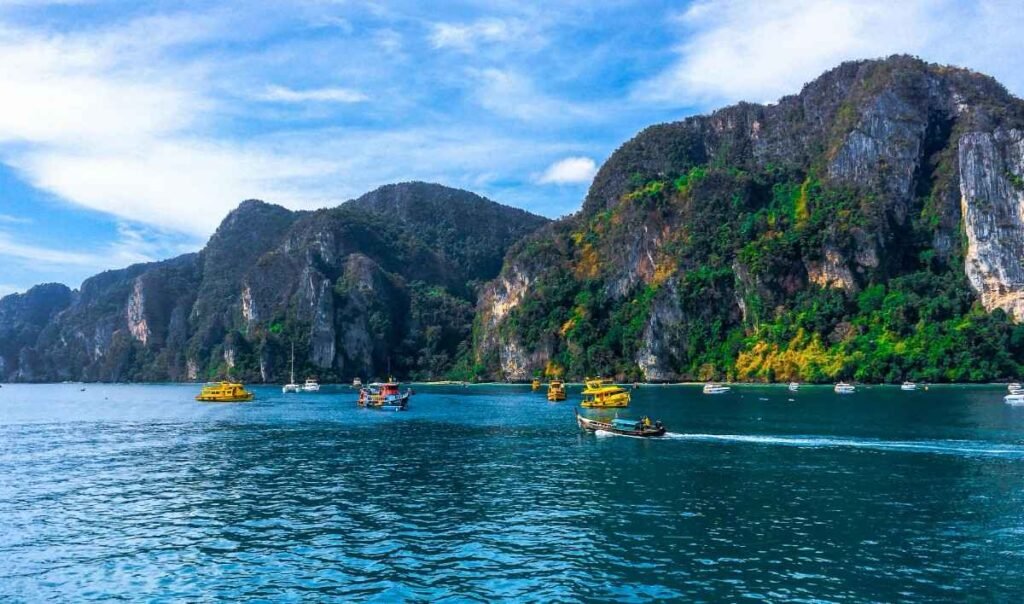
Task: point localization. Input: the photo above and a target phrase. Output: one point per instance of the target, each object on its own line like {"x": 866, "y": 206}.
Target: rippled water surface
{"x": 491, "y": 493}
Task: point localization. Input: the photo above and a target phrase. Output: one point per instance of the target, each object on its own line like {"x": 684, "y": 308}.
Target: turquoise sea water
{"x": 491, "y": 493}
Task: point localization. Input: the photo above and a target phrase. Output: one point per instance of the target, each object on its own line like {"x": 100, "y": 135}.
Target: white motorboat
{"x": 311, "y": 385}
{"x": 357, "y": 383}
{"x": 291, "y": 386}
{"x": 908, "y": 386}
{"x": 1013, "y": 386}
{"x": 794, "y": 386}
{"x": 844, "y": 388}
{"x": 1014, "y": 399}
{"x": 715, "y": 389}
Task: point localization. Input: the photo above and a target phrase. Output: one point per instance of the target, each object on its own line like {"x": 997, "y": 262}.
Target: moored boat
{"x": 1014, "y": 399}
{"x": 627, "y": 427}
{"x": 844, "y": 388}
{"x": 357, "y": 383}
{"x": 224, "y": 392}
{"x": 715, "y": 389}
{"x": 1015, "y": 388}
{"x": 535, "y": 385}
{"x": 908, "y": 386}
{"x": 556, "y": 391}
{"x": 599, "y": 393}
{"x": 794, "y": 386}
{"x": 384, "y": 396}
{"x": 311, "y": 385}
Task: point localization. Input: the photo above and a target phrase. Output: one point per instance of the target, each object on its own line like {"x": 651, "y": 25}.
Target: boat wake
{"x": 941, "y": 447}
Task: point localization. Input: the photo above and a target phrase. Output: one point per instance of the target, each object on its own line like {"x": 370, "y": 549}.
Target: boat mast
{"x": 293, "y": 363}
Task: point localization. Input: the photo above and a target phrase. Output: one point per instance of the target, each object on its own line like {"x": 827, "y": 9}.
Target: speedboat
{"x": 794, "y": 386}
{"x": 715, "y": 389}
{"x": 908, "y": 386}
{"x": 384, "y": 396}
{"x": 311, "y": 385}
{"x": 844, "y": 388}
{"x": 224, "y": 392}
{"x": 1014, "y": 399}
{"x": 556, "y": 391}
{"x": 626, "y": 427}
{"x": 602, "y": 393}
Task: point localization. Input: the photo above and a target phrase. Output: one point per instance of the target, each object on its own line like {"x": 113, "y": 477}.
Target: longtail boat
{"x": 626, "y": 427}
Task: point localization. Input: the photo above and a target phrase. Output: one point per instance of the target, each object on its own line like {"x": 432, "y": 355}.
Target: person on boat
{"x": 646, "y": 421}
{"x": 657, "y": 424}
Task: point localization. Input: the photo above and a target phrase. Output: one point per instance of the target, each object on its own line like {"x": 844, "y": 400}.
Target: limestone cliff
{"x": 861, "y": 217}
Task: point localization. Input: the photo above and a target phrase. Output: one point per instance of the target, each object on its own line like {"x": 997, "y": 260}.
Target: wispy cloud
{"x": 735, "y": 50}
{"x": 571, "y": 170}
{"x": 282, "y": 94}
{"x": 8, "y": 219}
{"x": 466, "y": 37}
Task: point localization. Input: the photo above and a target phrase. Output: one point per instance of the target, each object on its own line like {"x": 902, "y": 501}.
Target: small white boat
{"x": 1013, "y": 386}
{"x": 1014, "y": 399}
{"x": 794, "y": 386}
{"x": 908, "y": 386}
{"x": 357, "y": 383}
{"x": 715, "y": 389}
{"x": 291, "y": 386}
{"x": 311, "y": 385}
{"x": 844, "y": 388}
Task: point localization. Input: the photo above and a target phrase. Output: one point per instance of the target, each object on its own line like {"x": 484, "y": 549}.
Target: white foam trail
{"x": 947, "y": 447}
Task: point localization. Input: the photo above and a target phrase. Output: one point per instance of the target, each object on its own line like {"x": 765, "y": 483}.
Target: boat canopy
{"x": 626, "y": 424}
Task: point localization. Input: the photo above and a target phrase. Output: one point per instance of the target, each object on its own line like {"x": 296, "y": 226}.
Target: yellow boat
{"x": 224, "y": 392}
{"x": 535, "y": 385}
{"x": 602, "y": 393}
{"x": 556, "y": 391}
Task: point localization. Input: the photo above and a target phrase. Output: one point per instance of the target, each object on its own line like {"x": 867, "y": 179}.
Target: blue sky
{"x": 129, "y": 129}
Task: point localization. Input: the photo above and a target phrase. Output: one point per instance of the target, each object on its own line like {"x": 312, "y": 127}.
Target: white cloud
{"x": 8, "y": 219}
{"x": 744, "y": 50}
{"x": 11, "y": 249}
{"x": 511, "y": 94}
{"x": 282, "y": 94}
{"x": 465, "y": 37}
{"x": 571, "y": 170}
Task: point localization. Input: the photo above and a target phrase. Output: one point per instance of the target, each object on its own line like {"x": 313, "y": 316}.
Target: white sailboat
{"x": 291, "y": 386}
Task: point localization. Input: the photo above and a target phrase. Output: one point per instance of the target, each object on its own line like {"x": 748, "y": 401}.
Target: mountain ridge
{"x": 350, "y": 285}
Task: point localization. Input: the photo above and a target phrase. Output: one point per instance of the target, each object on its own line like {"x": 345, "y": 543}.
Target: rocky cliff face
{"x": 389, "y": 278}
{"x": 709, "y": 248}
{"x": 992, "y": 205}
